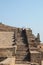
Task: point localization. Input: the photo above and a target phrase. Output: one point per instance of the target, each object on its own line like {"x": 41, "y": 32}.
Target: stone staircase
{"x": 25, "y": 51}
{"x": 22, "y": 53}
{"x": 25, "y": 44}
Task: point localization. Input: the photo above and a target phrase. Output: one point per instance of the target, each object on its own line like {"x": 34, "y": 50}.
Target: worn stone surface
{"x": 19, "y": 46}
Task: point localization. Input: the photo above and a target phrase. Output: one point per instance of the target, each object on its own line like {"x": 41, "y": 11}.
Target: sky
{"x": 23, "y": 13}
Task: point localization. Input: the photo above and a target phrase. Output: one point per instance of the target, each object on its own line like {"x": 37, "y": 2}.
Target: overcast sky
{"x": 23, "y": 13}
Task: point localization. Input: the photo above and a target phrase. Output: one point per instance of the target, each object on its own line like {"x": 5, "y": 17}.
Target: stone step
{"x": 30, "y": 35}
{"x": 20, "y": 56}
{"x": 22, "y": 62}
{"x": 19, "y": 59}
{"x": 24, "y": 46}
{"x": 21, "y": 49}
{"x": 21, "y": 52}
{"x": 33, "y": 48}
{"x": 21, "y": 43}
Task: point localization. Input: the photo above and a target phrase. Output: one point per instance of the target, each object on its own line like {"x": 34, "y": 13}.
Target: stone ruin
{"x": 19, "y": 46}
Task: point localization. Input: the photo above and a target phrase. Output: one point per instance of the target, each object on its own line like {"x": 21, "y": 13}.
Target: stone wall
{"x": 7, "y": 52}
{"x": 36, "y": 57}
